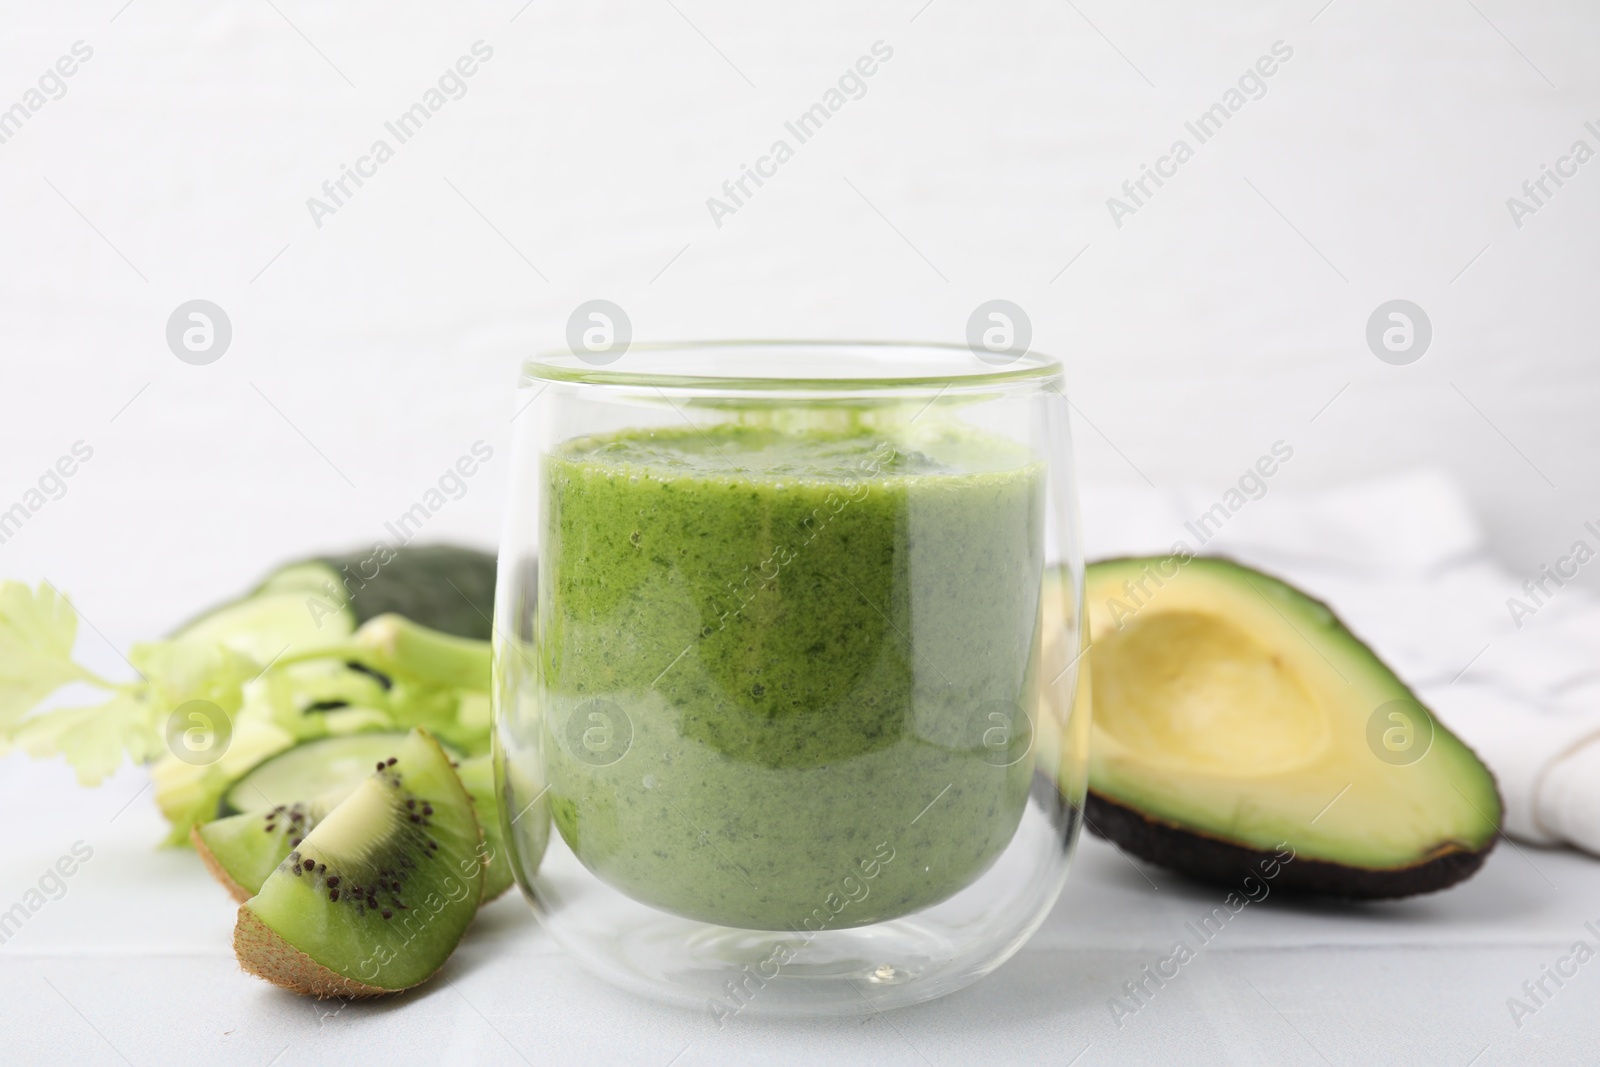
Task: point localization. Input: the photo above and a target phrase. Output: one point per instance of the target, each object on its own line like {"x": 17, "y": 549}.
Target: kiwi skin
{"x": 239, "y": 893}
{"x": 266, "y": 955}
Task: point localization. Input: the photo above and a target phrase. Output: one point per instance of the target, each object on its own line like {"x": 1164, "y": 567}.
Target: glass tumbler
{"x": 786, "y": 653}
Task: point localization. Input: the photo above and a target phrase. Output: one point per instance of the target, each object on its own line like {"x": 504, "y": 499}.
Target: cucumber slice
{"x": 477, "y": 775}
{"x": 308, "y": 577}
{"x": 263, "y": 627}
{"x": 308, "y": 770}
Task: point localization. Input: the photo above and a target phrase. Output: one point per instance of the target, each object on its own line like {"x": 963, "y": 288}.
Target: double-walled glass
{"x": 786, "y": 651}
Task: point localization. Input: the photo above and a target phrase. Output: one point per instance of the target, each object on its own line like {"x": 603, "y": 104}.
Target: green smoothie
{"x": 787, "y": 674}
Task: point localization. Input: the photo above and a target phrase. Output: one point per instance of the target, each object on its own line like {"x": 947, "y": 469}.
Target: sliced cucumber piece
{"x": 309, "y": 577}
{"x": 308, "y": 770}
{"x": 264, "y": 627}
{"x": 477, "y": 775}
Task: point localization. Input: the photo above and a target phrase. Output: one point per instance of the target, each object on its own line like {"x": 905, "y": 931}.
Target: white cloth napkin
{"x": 1404, "y": 561}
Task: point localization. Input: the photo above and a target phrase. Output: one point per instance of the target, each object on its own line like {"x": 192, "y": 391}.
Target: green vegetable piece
{"x": 478, "y": 777}
{"x": 310, "y": 769}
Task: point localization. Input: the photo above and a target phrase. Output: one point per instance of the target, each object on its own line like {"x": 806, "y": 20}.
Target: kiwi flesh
{"x": 380, "y": 893}
{"x": 241, "y": 851}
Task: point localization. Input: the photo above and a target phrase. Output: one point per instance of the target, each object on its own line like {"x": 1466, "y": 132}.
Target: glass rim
{"x": 570, "y": 368}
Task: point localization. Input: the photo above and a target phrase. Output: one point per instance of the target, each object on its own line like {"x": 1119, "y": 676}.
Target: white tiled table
{"x": 133, "y": 964}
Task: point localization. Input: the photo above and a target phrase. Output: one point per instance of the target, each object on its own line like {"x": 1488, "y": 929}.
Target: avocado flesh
{"x": 1231, "y": 716}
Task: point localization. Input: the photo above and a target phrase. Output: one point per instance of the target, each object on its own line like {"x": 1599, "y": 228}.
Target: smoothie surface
{"x": 787, "y": 672}
{"x": 768, "y": 454}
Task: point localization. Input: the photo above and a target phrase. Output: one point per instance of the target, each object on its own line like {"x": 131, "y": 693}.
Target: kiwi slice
{"x": 379, "y": 894}
{"x": 241, "y": 851}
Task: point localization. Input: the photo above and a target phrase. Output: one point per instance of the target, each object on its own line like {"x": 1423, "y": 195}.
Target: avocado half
{"x": 1234, "y": 716}
{"x": 323, "y": 600}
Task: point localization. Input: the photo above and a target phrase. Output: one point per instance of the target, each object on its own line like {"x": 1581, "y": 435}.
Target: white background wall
{"x": 374, "y": 351}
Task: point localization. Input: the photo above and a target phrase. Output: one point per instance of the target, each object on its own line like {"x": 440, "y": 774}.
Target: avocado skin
{"x": 445, "y": 587}
{"x": 1219, "y": 862}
